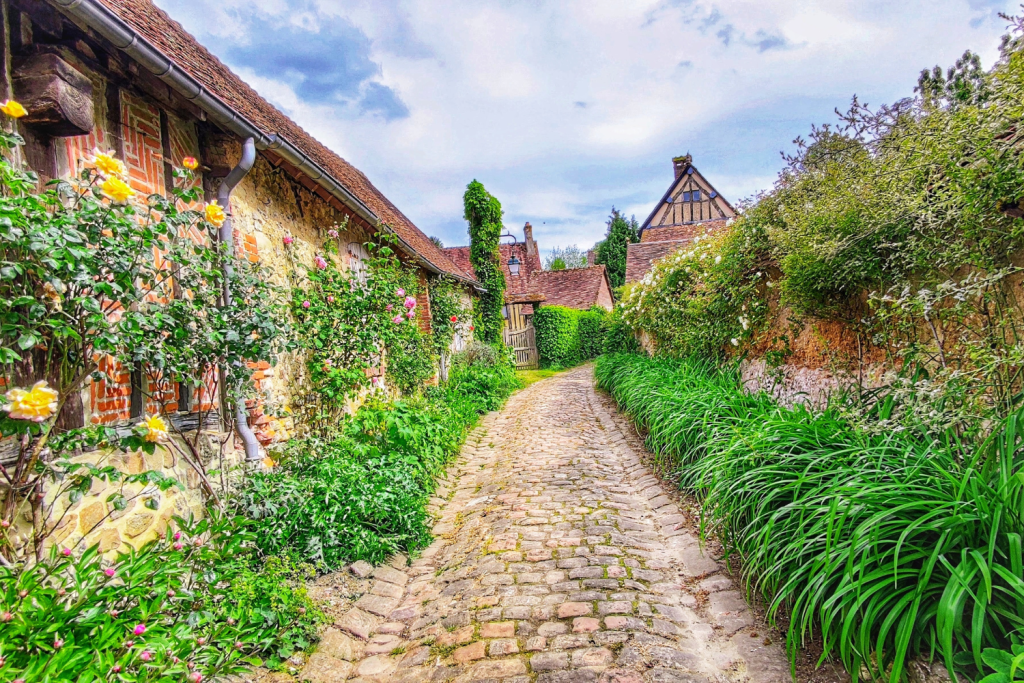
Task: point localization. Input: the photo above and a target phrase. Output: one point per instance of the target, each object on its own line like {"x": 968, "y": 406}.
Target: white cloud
{"x": 563, "y": 108}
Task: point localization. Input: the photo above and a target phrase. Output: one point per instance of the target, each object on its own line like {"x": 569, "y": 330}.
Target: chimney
{"x": 680, "y": 164}
{"x": 590, "y": 257}
{"x": 531, "y": 246}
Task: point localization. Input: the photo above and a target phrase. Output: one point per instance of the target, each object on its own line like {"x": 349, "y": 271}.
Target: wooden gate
{"x": 524, "y": 343}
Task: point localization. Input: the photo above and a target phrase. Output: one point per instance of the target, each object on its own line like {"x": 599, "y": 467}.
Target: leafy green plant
{"x": 483, "y": 212}
{"x": 195, "y": 605}
{"x": 885, "y": 545}
{"x": 567, "y": 336}
{"x": 362, "y": 495}
{"x": 349, "y": 323}
{"x": 91, "y": 283}
{"x": 611, "y": 251}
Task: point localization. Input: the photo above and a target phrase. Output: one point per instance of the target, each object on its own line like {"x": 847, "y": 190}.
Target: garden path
{"x": 559, "y": 557}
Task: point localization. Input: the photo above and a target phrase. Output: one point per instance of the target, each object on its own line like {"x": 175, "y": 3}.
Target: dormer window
{"x": 696, "y": 195}
{"x": 686, "y": 196}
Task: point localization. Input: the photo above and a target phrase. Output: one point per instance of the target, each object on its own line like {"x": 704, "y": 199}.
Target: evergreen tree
{"x": 611, "y": 251}
{"x": 483, "y": 212}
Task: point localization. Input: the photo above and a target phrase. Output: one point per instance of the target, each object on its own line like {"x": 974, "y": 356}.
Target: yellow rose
{"x": 190, "y": 163}
{"x": 106, "y": 164}
{"x": 215, "y": 214}
{"x": 13, "y": 109}
{"x": 156, "y": 429}
{"x": 117, "y": 189}
{"x": 36, "y": 404}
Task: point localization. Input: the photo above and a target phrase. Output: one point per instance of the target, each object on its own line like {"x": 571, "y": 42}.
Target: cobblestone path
{"x": 557, "y": 559}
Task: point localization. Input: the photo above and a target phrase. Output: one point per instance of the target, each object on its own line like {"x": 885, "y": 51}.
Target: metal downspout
{"x": 227, "y": 236}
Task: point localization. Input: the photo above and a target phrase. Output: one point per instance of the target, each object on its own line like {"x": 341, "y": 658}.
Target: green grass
{"x": 528, "y": 377}
{"x": 884, "y": 546}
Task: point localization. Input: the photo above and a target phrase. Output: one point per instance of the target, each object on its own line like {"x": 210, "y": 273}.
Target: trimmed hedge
{"x": 567, "y": 336}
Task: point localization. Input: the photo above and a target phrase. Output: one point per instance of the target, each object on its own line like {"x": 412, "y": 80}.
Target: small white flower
{"x": 735, "y": 341}
{"x": 718, "y": 259}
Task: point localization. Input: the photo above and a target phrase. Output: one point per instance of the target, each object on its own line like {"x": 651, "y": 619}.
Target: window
{"x": 357, "y": 257}
{"x": 696, "y": 195}
{"x": 686, "y": 196}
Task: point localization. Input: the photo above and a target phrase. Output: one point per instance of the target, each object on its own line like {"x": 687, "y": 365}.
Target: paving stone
{"x": 573, "y": 609}
{"x": 549, "y": 661}
{"x": 376, "y": 604}
{"x": 358, "y": 623}
{"x": 470, "y": 652}
{"x": 362, "y": 569}
{"x": 584, "y": 581}
{"x": 502, "y": 647}
{"x": 323, "y": 668}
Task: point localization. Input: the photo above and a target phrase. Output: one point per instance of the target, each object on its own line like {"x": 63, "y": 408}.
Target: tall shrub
{"x": 567, "y": 336}
{"x": 483, "y": 211}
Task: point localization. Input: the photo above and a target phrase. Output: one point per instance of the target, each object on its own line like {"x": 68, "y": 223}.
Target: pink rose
{"x": 195, "y": 677}
{"x": 116, "y": 669}
{"x": 321, "y": 263}
{"x": 109, "y": 571}
{"x": 58, "y": 643}
{"x": 6, "y": 617}
{"x": 129, "y": 643}
{"x": 146, "y": 655}
{"x": 397, "y": 319}
{"x": 139, "y": 629}
{"x": 177, "y": 535}
{"x": 399, "y": 292}
{"x": 410, "y": 314}
{"x": 178, "y": 546}
{"x": 305, "y": 304}
{"x": 66, "y": 552}
{"x": 389, "y": 307}
{"x": 332, "y": 233}
{"x": 330, "y": 299}
{"x": 410, "y": 302}
{"x": 287, "y": 239}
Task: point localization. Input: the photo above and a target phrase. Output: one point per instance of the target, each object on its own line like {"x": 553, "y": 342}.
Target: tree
{"x": 611, "y": 251}
{"x": 437, "y": 242}
{"x": 483, "y": 211}
{"x": 562, "y": 258}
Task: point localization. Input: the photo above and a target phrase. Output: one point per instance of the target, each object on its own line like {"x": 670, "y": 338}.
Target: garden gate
{"x": 524, "y": 344}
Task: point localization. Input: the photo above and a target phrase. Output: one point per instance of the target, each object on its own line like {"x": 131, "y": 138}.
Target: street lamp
{"x": 513, "y": 263}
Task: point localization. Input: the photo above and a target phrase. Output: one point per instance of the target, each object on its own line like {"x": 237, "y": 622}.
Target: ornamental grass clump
{"x": 884, "y": 546}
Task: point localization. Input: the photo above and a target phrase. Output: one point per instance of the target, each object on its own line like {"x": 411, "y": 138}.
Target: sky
{"x": 565, "y": 108}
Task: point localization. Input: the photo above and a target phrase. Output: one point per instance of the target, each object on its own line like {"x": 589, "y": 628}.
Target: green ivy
{"x": 448, "y": 313}
{"x": 483, "y": 211}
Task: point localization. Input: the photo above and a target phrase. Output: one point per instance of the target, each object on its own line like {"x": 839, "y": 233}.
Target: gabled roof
{"x": 686, "y": 231}
{"x": 642, "y": 255}
{"x": 145, "y": 23}
{"x": 678, "y": 207}
{"x": 514, "y": 284}
{"x": 573, "y": 287}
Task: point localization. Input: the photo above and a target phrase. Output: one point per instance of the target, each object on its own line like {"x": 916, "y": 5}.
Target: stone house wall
{"x": 152, "y": 129}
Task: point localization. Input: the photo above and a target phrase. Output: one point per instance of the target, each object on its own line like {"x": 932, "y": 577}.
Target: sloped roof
{"x": 572, "y": 287}
{"x": 168, "y": 36}
{"x": 517, "y": 284}
{"x": 687, "y": 231}
{"x": 712, "y": 206}
{"x": 641, "y": 255}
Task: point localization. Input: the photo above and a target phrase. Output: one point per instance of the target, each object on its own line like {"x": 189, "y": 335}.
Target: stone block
{"x": 471, "y": 652}
{"x": 502, "y": 647}
{"x": 323, "y": 668}
{"x": 358, "y": 623}
{"x": 573, "y": 609}
{"x": 549, "y": 661}
{"x": 501, "y": 629}
{"x": 138, "y": 523}
{"x": 362, "y": 569}
{"x": 497, "y": 669}
{"x": 338, "y": 645}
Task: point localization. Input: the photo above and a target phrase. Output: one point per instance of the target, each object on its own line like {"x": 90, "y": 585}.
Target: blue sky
{"x": 564, "y": 108}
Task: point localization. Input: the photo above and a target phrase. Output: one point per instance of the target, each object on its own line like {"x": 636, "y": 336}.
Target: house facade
{"x": 122, "y": 76}
{"x": 532, "y": 286}
{"x": 690, "y": 207}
